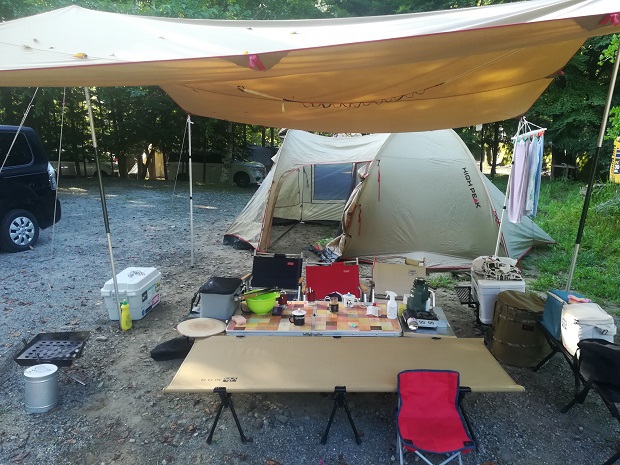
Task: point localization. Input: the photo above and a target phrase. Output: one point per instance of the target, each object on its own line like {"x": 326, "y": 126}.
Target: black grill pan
{"x": 57, "y": 348}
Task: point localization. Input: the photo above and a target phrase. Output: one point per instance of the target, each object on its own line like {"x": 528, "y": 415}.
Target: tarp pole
{"x": 104, "y": 208}
{"x": 586, "y": 202}
{"x": 501, "y": 220}
{"x": 191, "y": 197}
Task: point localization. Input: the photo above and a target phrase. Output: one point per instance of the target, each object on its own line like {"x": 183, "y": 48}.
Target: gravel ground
{"x": 120, "y": 414}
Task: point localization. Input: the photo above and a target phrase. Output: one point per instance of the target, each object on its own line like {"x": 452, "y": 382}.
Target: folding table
{"x": 225, "y": 365}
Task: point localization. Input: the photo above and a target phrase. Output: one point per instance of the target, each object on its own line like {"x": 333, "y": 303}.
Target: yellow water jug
{"x": 125, "y": 316}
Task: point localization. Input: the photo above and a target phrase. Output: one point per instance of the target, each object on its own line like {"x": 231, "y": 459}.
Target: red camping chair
{"x": 429, "y": 418}
{"x": 337, "y": 277}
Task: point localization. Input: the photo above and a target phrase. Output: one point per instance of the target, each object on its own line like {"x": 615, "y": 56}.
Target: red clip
{"x": 610, "y": 18}
{"x": 255, "y": 63}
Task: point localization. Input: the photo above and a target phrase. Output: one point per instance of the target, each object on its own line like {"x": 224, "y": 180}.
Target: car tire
{"x": 242, "y": 179}
{"x": 19, "y": 231}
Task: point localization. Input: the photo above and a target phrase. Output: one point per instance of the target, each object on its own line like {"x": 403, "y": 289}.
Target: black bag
{"x": 599, "y": 360}
{"x": 174, "y": 349}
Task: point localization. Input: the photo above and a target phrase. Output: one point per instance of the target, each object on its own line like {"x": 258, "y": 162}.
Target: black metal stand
{"x": 613, "y": 459}
{"x": 557, "y": 346}
{"x": 226, "y": 401}
{"x": 466, "y": 297}
{"x": 340, "y": 400}
{"x": 579, "y": 394}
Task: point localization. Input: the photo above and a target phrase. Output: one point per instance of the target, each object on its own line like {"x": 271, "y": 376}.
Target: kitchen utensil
{"x": 263, "y": 303}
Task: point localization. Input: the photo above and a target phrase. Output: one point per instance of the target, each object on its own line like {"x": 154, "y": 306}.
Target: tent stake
{"x": 104, "y": 207}
{"x": 586, "y": 202}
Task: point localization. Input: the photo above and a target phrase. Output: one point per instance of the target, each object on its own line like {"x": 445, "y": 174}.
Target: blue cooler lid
{"x": 219, "y": 285}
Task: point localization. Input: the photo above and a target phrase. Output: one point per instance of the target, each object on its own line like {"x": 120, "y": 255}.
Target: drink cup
{"x": 298, "y": 317}
{"x": 333, "y": 304}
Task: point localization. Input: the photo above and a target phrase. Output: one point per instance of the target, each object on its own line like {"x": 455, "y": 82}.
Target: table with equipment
{"x": 348, "y": 321}
{"x": 225, "y": 365}
{"x": 319, "y": 321}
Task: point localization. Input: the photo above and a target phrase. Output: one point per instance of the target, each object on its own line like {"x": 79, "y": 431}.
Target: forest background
{"x": 131, "y": 121}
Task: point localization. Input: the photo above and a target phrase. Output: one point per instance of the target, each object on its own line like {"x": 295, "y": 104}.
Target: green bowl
{"x": 263, "y": 303}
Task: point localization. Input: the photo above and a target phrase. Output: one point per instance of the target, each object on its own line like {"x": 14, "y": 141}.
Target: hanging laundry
{"x": 535, "y": 155}
{"x": 519, "y": 178}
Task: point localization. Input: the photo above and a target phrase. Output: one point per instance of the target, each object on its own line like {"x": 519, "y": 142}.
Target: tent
{"x": 410, "y": 72}
{"x": 420, "y": 193}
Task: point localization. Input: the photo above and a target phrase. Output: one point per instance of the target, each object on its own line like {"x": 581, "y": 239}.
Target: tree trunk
{"x": 225, "y": 174}
{"x": 495, "y": 149}
{"x": 150, "y": 155}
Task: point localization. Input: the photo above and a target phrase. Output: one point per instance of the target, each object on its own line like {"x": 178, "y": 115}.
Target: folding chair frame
{"x": 359, "y": 288}
{"x": 277, "y": 280}
{"x": 607, "y": 394}
{"x": 401, "y": 443}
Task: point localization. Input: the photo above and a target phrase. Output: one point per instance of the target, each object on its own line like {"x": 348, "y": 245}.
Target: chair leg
{"x": 613, "y": 459}
{"x": 399, "y": 446}
{"x": 579, "y": 398}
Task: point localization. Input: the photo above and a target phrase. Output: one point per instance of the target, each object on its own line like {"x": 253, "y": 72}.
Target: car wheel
{"x": 19, "y": 231}
{"x": 242, "y": 179}
{"x": 103, "y": 174}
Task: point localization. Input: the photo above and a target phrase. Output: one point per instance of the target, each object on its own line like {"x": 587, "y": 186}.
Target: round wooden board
{"x": 201, "y": 327}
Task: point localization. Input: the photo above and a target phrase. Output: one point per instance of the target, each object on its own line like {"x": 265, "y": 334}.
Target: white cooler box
{"x": 585, "y": 321}
{"x": 140, "y": 286}
{"x": 485, "y": 292}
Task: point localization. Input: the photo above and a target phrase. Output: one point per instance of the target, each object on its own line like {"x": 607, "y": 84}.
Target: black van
{"x": 27, "y": 189}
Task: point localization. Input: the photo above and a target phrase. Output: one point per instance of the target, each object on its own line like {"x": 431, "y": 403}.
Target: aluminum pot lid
{"x": 40, "y": 371}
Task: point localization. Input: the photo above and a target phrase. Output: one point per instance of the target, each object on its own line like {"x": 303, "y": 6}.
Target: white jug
{"x": 349, "y": 300}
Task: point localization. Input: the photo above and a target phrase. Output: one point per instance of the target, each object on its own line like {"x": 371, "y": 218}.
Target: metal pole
{"x": 191, "y": 198}
{"x": 586, "y": 202}
{"x": 104, "y": 208}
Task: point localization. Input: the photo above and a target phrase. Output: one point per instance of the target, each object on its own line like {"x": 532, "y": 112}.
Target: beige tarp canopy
{"x": 399, "y": 73}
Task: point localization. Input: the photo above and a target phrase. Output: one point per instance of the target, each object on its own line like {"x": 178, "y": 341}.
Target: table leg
{"x": 226, "y": 401}
{"x": 340, "y": 400}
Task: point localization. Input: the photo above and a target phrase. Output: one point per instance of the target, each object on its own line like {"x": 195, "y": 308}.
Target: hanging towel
{"x": 518, "y": 181}
{"x": 541, "y": 143}
{"x": 534, "y": 154}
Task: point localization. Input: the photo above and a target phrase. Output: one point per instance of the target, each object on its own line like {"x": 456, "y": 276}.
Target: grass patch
{"x": 597, "y": 271}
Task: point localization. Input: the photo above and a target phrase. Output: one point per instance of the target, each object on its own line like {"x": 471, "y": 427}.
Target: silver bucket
{"x": 41, "y": 387}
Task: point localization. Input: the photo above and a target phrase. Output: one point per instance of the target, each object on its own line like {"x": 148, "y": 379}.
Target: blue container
{"x": 552, "y": 313}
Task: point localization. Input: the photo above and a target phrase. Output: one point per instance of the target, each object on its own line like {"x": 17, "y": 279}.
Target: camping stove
{"x": 426, "y": 318}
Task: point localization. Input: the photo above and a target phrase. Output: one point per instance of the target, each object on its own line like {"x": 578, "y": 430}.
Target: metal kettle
{"x": 419, "y": 295}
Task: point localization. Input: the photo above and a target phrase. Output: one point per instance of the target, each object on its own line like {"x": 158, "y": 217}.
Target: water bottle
{"x": 125, "y": 316}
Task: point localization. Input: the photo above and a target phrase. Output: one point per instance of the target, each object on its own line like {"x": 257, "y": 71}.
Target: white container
{"x": 485, "y": 292}
{"x": 585, "y": 321}
{"x": 41, "y": 387}
{"x": 140, "y": 286}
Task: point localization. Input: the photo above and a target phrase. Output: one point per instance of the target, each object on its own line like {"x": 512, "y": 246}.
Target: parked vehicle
{"x": 208, "y": 168}
{"x": 87, "y": 167}
{"x": 27, "y": 189}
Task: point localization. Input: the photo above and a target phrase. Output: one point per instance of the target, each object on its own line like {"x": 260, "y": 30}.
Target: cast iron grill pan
{"x": 57, "y": 348}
